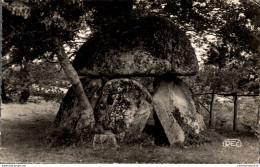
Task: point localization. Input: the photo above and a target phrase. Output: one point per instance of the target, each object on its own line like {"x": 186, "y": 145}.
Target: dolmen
{"x": 131, "y": 73}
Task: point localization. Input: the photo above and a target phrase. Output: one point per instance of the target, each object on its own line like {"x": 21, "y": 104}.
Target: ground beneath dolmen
{"x": 23, "y": 140}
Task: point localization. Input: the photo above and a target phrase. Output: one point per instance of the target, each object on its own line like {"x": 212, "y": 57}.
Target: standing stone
{"x": 124, "y": 107}
{"x": 176, "y": 110}
{"x": 68, "y": 114}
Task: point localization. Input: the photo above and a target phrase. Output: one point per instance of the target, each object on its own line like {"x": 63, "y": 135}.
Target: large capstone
{"x": 149, "y": 46}
{"x": 176, "y": 110}
{"x": 124, "y": 107}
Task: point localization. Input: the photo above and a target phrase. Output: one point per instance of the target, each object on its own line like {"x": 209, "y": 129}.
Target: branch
{"x": 204, "y": 107}
{"x": 78, "y": 42}
{"x": 49, "y": 61}
{"x": 7, "y": 65}
{"x": 226, "y": 94}
{"x": 258, "y": 4}
{"x": 73, "y": 54}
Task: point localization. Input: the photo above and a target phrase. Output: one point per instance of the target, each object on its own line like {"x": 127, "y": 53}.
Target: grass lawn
{"x": 24, "y": 130}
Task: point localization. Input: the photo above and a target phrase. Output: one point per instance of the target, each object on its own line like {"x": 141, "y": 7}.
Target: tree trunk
{"x": 86, "y": 111}
{"x": 211, "y": 122}
{"x": 24, "y": 96}
{"x": 4, "y": 97}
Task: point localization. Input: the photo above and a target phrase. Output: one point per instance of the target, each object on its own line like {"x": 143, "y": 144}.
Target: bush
{"x": 54, "y": 94}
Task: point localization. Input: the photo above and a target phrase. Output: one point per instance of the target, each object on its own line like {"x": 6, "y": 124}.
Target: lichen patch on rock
{"x": 124, "y": 106}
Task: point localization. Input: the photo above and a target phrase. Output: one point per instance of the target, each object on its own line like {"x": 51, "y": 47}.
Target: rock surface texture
{"x": 176, "y": 110}
{"x": 146, "y": 46}
{"x": 104, "y": 141}
{"x": 68, "y": 114}
{"x": 124, "y": 107}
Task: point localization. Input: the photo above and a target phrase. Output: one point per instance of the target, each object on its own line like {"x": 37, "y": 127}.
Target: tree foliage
{"x": 30, "y": 35}
{"x": 29, "y": 27}
{"x": 39, "y": 78}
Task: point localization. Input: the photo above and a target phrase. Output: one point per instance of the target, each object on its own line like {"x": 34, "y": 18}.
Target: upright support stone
{"x": 176, "y": 110}
{"x": 69, "y": 114}
{"x": 124, "y": 107}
